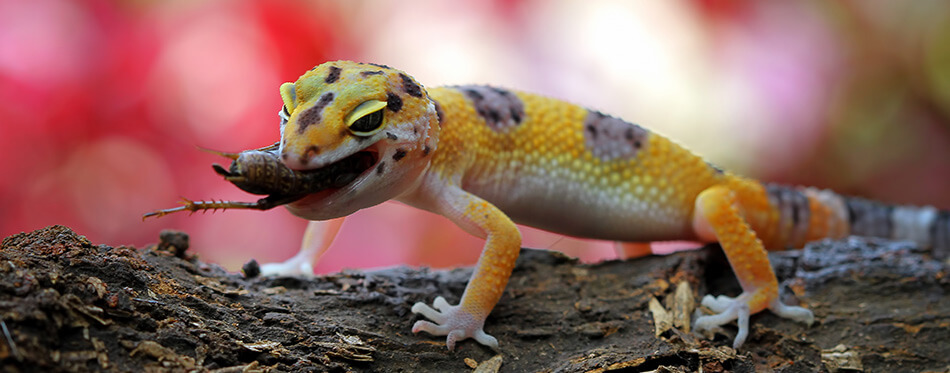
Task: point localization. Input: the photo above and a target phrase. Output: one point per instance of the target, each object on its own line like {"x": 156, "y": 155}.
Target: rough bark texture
{"x": 69, "y": 305}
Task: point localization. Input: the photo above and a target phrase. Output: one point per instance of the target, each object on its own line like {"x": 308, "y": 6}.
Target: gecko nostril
{"x": 308, "y": 155}
{"x": 304, "y": 158}
{"x": 311, "y": 151}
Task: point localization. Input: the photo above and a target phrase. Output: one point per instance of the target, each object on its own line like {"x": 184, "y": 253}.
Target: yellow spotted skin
{"x": 663, "y": 179}
{"x": 486, "y": 157}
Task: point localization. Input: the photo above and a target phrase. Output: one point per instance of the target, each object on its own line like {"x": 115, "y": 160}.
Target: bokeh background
{"x": 102, "y": 103}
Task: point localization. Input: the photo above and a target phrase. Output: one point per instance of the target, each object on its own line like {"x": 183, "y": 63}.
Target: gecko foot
{"x": 298, "y": 265}
{"x": 728, "y": 309}
{"x": 453, "y": 322}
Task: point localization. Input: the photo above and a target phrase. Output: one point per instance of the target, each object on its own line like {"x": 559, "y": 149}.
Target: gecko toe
{"x": 427, "y": 312}
{"x": 485, "y": 339}
{"x": 800, "y": 314}
{"x": 727, "y": 309}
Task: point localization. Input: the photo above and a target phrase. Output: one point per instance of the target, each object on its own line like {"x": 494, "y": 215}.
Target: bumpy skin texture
{"x": 487, "y": 157}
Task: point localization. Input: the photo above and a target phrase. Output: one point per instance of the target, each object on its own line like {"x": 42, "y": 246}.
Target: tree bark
{"x": 69, "y": 305}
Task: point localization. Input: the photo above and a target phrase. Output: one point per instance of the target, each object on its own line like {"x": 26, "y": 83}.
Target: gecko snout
{"x": 303, "y": 161}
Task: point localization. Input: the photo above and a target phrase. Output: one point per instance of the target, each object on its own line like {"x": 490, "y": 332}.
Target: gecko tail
{"x": 808, "y": 214}
{"x": 925, "y": 225}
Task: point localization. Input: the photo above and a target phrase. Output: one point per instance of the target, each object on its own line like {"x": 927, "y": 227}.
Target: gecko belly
{"x": 590, "y": 211}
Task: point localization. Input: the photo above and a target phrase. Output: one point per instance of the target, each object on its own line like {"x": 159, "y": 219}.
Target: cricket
{"x": 260, "y": 171}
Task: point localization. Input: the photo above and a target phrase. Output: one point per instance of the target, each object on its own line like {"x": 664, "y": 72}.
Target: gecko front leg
{"x": 316, "y": 240}
{"x": 502, "y": 245}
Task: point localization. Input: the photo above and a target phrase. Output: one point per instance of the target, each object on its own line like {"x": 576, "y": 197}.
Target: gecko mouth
{"x": 262, "y": 172}
{"x": 350, "y": 168}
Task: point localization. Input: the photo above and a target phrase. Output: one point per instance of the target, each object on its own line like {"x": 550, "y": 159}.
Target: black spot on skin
{"x": 381, "y": 66}
{"x": 473, "y": 94}
{"x": 426, "y": 150}
{"x": 393, "y": 102}
{"x": 515, "y": 115}
{"x": 438, "y": 112}
{"x": 612, "y": 138}
{"x": 493, "y": 115}
{"x": 333, "y": 76}
{"x": 793, "y": 211}
{"x": 368, "y": 73}
{"x": 501, "y": 91}
{"x": 313, "y": 68}
{"x": 381, "y": 168}
{"x": 410, "y": 86}
{"x": 592, "y": 130}
{"x": 306, "y": 119}
{"x": 314, "y": 115}
{"x": 392, "y": 136}
{"x": 400, "y": 153}
{"x": 499, "y": 108}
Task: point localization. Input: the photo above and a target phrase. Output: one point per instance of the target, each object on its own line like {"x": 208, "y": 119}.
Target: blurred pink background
{"x": 102, "y": 103}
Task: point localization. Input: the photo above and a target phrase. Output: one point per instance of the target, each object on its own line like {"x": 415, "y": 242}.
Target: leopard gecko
{"x": 486, "y": 157}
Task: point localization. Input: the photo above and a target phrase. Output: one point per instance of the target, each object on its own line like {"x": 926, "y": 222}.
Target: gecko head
{"x": 344, "y": 109}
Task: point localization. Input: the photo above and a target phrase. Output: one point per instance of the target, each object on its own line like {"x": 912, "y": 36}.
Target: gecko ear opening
{"x": 288, "y": 93}
{"x": 366, "y": 119}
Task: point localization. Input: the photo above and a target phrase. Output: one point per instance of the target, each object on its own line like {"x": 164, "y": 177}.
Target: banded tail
{"x": 808, "y": 214}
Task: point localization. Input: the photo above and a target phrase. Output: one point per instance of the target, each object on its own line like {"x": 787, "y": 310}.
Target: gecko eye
{"x": 367, "y": 118}
{"x": 284, "y": 116}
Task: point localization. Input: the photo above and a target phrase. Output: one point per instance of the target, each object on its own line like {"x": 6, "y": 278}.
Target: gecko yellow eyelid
{"x": 289, "y": 94}
{"x": 362, "y": 110}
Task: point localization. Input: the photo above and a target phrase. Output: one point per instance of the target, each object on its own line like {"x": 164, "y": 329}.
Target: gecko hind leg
{"x": 717, "y": 215}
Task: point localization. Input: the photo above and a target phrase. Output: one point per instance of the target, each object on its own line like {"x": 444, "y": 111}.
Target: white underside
{"x": 576, "y": 208}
